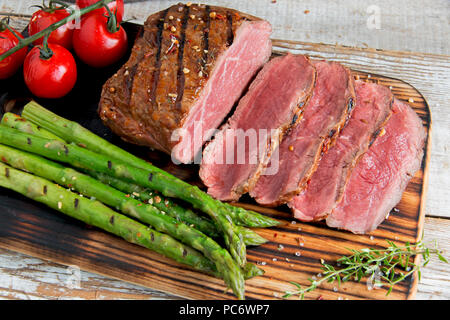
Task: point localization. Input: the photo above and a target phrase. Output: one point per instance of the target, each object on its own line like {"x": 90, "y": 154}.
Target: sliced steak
{"x": 301, "y": 150}
{"x": 187, "y": 69}
{"x": 274, "y": 102}
{"x": 377, "y": 182}
{"x": 326, "y": 187}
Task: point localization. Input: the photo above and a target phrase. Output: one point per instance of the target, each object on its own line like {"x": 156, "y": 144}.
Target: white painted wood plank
{"x": 435, "y": 282}
{"x": 25, "y": 277}
{"x": 407, "y": 25}
{"x": 403, "y": 24}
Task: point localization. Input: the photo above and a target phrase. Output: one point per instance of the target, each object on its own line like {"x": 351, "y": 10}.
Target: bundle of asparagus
{"x": 118, "y": 179}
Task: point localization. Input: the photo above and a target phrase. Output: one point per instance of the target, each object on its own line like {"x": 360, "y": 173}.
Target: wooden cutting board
{"x": 294, "y": 249}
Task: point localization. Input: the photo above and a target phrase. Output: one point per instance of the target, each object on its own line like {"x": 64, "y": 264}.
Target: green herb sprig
{"x": 389, "y": 266}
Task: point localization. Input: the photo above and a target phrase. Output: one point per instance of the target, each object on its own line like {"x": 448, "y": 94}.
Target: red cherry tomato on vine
{"x": 116, "y": 7}
{"x": 53, "y": 77}
{"x": 44, "y": 17}
{"x": 11, "y": 64}
{"x": 96, "y": 45}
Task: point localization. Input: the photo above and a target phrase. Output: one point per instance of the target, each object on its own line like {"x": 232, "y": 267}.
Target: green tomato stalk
{"x": 75, "y": 14}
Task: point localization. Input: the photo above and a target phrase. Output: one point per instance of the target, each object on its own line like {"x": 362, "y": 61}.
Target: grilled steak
{"x": 274, "y": 102}
{"x": 188, "y": 67}
{"x": 324, "y": 191}
{"x": 377, "y": 182}
{"x": 301, "y": 150}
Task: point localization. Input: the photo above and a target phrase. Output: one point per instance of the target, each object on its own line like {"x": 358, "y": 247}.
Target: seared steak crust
{"x": 152, "y": 94}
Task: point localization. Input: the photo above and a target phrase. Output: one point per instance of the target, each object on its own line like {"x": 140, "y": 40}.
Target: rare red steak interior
{"x": 233, "y": 161}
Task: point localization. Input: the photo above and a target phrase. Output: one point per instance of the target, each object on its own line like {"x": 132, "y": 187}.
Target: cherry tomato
{"x": 96, "y": 45}
{"x": 41, "y": 19}
{"x": 11, "y": 64}
{"x": 53, "y": 77}
{"x": 116, "y": 7}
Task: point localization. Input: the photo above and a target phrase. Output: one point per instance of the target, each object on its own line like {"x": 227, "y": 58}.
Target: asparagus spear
{"x": 164, "y": 204}
{"x": 15, "y": 121}
{"x": 251, "y": 270}
{"x": 248, "y": 218}
{"x": 166, "y": 184}
{"x": 146, "y": 195}
{"x": 187, "y": 216}
{"x": 148, "y": 214}
{"x": 96, "y": 214}
{"x": 73, "y": 132}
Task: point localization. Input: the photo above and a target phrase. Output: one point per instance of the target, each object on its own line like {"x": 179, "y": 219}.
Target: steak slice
{"x": 377, "y": 182}
{"x": 301, "y": 150}
{"x": 188, "y": 67}
{"x": 274, "y": 102}
{"x": 326, "y": 187}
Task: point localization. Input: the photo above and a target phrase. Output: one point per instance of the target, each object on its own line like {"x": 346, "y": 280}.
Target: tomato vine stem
{"x": 45, "y": 52}
{"x": 74, "y": 14}
{"x": 51, "y": 6}
{"x": 112, "y": 20}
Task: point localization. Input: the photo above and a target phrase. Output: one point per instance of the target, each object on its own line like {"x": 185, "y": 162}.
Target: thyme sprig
{"x": 386, "y": 267}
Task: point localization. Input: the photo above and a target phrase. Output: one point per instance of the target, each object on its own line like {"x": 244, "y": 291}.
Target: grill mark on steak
{"x": 180, "y": 76}
{"x": 129, "y": 81}
{"x": 230, "y": 28}
{"x": 158, "y": 56}
{"x": 165, "y": 116}
{"x": 206, "y": 37}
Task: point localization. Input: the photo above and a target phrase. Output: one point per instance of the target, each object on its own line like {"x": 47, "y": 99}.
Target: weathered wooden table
{"x": 403, "y": 39}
